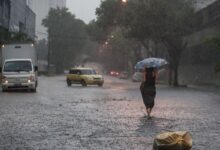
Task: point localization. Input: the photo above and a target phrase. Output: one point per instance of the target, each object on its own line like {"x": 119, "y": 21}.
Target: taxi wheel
{"x": 100, "y": 85}
{"x": 83, "y": 83}
{"x": 68, "y": 82}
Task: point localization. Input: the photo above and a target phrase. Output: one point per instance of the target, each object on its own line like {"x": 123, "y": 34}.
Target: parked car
{"x": 1, "y": 78}
{"x": 114, "y": 73}
{"x": 138, "y": 77}
{"x": 84, "y": 76}
{"x": 123, "y": 75}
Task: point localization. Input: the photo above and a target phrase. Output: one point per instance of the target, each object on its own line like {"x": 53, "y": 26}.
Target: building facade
{"x": 200, "y": 4}
{"x": 199, "y": 59}
{"x": 41, "y": 9}
{"x": 4, "y": 13}
{"x": 16, "y": 16}
{"x": 22, "y": 18}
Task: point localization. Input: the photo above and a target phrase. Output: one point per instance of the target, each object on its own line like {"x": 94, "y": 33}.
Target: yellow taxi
{"x": 84, "y": 76}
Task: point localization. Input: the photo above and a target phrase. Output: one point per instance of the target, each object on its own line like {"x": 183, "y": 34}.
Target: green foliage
{"x": 158, "y": 19}
{"x": 13, "y": 37}
{"x": 107, "y": 13}
{"x": 119, "y": 52}
{"x": 4, "y": 35}
{"x": 20, "y": 38}
{"x": 42, "y": 49}
{"x": 166, "y": 22}
{"x": 217, "y": 67}
{"x": 215, "y": 42}
{"x": 95, "y": 32}
{"x": 163, "y": 21}
{"x": 67, "y": 36}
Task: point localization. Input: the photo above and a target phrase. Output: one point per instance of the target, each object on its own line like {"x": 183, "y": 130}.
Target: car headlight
{"x": 31, "y": 79}
{"x": 4, "y": 80}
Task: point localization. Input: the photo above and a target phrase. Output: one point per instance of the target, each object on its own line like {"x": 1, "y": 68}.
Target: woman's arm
{"x": 144, "y": 74}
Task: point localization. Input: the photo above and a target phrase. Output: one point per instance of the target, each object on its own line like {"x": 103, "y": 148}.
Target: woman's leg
{"x": 148, "y": 112}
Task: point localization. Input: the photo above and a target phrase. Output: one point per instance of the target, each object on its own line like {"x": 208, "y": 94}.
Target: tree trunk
{"x": 137, "y": 53}
{"x": 176, "y": 83}
{"x": 145, "y": 43}
{"x": 170, "y": 77}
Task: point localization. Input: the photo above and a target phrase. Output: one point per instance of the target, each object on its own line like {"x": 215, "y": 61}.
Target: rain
{"x": 109, "y": 74}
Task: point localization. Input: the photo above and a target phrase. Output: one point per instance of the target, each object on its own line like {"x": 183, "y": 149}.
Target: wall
{"x": 4, "y": 13}
{"x": 199, "y": 59}
{"x": 30, "y": 18}
{"x": 22, "y": 19}
{"x": 17, "y": 17}
{"x": 41, "y": 9}
{"x": 200, "y": 4}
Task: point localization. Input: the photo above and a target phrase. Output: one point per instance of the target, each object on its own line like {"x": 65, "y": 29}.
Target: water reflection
{"x": 151, "y": 127}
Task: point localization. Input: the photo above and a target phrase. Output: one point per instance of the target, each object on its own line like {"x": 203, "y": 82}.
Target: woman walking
{"x": 148, "y": 89}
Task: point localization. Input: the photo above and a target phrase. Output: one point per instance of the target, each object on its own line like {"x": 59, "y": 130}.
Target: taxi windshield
{"x": 88, "y": 72}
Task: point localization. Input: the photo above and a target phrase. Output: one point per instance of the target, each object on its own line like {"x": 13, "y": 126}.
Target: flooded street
{"x": 58, "y": 117}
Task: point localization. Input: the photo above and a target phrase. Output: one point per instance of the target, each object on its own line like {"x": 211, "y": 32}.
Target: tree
{"x": 166, "y": 22}
{"x": 42, "y": 49}
{"x": 215, "y": 42}
{"x": 13, "y": 37}
{"x": 109, "y": 16}
{"x": 67, "y": 36}
{"x": 19, "y": 37}
{"x": 118, "y": 52}
{"x": 95, "y": 32}
{"x": 108, "y": 13}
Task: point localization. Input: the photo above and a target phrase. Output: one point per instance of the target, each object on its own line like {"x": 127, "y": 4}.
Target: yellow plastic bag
{"x": 180, "y": 140}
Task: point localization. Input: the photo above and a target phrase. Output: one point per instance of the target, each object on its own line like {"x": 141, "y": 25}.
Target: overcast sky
{"x": 83, "y": 9}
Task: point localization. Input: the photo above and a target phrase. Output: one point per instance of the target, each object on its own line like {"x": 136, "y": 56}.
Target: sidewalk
{"x": 206, "y": 87}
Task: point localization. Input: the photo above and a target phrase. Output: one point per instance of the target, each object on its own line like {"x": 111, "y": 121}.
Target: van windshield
{"x": 17, "y": 66}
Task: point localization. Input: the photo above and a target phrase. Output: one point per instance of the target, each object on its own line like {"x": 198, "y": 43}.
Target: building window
{"x": 21, "y": 27}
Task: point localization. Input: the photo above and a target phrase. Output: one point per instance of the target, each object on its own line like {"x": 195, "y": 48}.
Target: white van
{"x": 19, "y": 69}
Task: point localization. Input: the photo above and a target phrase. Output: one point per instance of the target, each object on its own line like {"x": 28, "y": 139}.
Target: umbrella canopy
{"x": 151, "y": 63}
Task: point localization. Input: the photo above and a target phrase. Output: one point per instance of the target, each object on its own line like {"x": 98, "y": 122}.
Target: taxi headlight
{"x": 90, "y": 78}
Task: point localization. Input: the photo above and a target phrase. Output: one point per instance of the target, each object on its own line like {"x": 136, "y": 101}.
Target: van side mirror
{"x": 0, "y": 69}
{"x": 35, "y": 68}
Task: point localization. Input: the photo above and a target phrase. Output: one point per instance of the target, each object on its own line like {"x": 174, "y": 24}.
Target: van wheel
{"x": 83, "y": 83}
{"x": 68, "y": 82}
{"x": 36, "y": 84}
{"x": 4, "y": 90}
{"x": 100, "y": 85}
{"x": 34, "y": 90}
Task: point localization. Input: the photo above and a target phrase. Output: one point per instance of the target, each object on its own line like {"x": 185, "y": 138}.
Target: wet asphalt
{"x": 112, "y": 117}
